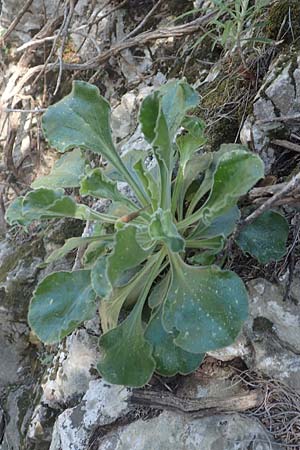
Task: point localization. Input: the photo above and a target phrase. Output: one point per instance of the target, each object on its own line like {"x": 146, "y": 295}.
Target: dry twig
{"x": 197, "y": 408}
{"x": 286, "y": 144}
{"x": 268, "y": 204}
{"x": 141, "y": 39}
{"x": 15, "y": 22}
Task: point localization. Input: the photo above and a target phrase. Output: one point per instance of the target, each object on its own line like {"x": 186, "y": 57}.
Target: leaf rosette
{"x": 151, "y": 264}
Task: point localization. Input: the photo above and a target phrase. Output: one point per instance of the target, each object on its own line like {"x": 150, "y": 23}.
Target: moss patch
{"x": 285, "y": 12}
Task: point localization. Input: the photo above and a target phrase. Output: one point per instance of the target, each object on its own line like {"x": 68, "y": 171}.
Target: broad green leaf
{"x": 81, "y": 119}
{"x": 192, "y": 170}
{"x": 99, "y": 278}
{"x": 47, "y": 203}
{"x": 178, "y": 97}
{"x": 61, "y": 302}
{"x": 206, "y": 258}
{"x": 36, "y": 203}
{"x": 150, "y": 184}
{"x": 191, "y": 141}
{"x": 109, "y": 309}
{"x": 211, "y": 246}
{"x": 66, "y": 173}
{"x": 265, "y": 238}
{"x": 215, "y": 243}
{"x": 125, "y": 355}
{"x": 236, "y": 173}
{"x": 162, "y": 228}
{"x": 14, "y": 213}
{"x": 126, "y": 295}
{"x": 207, "y": 182}
{"x": 93, "y": 251}
{"x": 72, "y": 243}
{"x": 159, "y": 291}
{"x": 169, "y": 358}
{"x": 129, "y": 159}
{"x": 223, "y": 225}
{"x": 155, "y": 129}
{"x": 98, "y": 185}
{"x": 127, "y": 254}
{"x": 206, "y": 305}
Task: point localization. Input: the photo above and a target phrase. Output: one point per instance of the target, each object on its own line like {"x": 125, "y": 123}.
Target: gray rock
{"x": 73, "y": 367}
{"x": 266, "y": 300}
{"x": 18, "y": 272}
{"x": 270, "y": 341}
{"x": 66, "y": 381}
{"x": 279, "y": 96}
{"x": 170, "y": 431}
{"x": 102, "y": 404}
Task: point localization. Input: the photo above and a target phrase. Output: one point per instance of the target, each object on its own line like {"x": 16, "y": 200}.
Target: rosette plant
{"x": 150, "y": 265}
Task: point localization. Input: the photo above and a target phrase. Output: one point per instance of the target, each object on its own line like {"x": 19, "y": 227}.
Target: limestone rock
{"x": 72, "y": 369}
{"x": 278, "y": 96}
{"x": 169, "y": 431}
{"x": 102, "y": 404}
{"x": 270, "y": 340}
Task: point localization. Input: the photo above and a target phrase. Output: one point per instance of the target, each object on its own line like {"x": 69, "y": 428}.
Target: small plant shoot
{"x": 151, "y": 265}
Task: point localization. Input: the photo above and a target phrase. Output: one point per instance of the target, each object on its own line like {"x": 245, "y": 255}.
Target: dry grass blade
{"x": 279, "y": 411}
{"x": 15, "y": 22}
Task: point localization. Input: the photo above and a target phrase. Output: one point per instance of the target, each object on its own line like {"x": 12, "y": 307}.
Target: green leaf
{"x": 206, "y": 305}
{"x": 81, "y": 119}
{"x": 125, "y": 354}
{"x": 265, "y": 238}
{"x": 223, "y": 225}
{"x": 36, "y": 203}
{"x": 162, "y": 228}
{"x": 93, "y": 251}
{"x": 215, "y": 243}
{"x": 169, "y": 358}
{"x": 236, "y": 173}
{"x": 191, "y": 141}
{"x": 207, "y": 182}
{"x": 66, "y": 172}
{"x": 14, "y": 213}
{"x": 72, "y": 243}
{"x": 150, "y": 184}
{"x": 192, "y": 170}
{"x": 159, "y": 291}
{"x": 178, "y": 97}
{"x": 61, "y": 302}
{"x": 155, "y": 129}
{"x": 98, "y": 185}
{"x": 126, "y": 255}
{"x": 47, "y": 203}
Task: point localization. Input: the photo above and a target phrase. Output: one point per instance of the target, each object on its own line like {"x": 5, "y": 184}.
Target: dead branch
{"x": 15, "y": 22}
{"x": 144, "y": 21}
{"x": 64, "y": 35}
{"x": 279, "y": 119}
{"x": 197, "y": 408}
{"x": 286, "y": 144}
{"x": 8, "y": 152}
{"x": 141, "y": 39}
{"x": 272, "y": 201}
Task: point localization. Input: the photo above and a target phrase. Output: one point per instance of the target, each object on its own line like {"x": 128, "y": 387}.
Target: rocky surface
{"x": 270, "y": 341}
{"x": 170, "y": 431}
{"x": 18, "y": 272}
{"x": 279, "y": 97}
{"x": 102, "y": 404}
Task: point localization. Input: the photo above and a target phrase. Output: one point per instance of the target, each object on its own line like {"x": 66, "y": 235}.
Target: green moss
{"x": 285, "y": 12}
